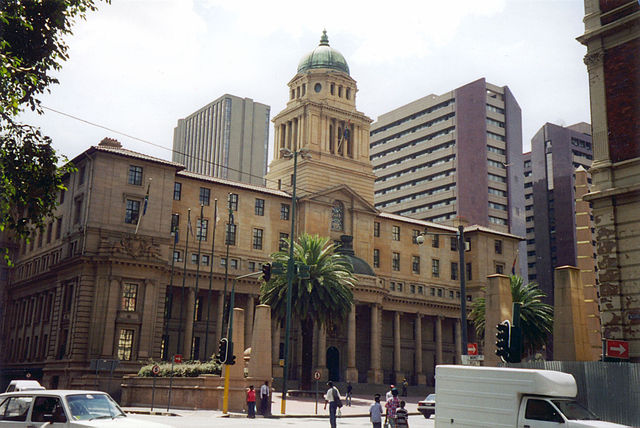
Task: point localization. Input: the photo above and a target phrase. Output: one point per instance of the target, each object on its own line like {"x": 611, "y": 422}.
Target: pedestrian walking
{"x": 349, "y": 392}
{"x": 389, "y": 393}
{"x": 392, "y": 404}
{"x": 405, "y": 384}
{"x": 333, "y": 398}
{"x": 375, "y": 412}
{"x": 251, "y": 402}
{"x": 264, "y": 398}
{"x": 402, "y": 416}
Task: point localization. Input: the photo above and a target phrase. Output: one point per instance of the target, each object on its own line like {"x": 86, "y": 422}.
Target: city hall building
{"x": 135, "y": 264}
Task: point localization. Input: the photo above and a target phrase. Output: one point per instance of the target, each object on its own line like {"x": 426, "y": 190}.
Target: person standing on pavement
{"x": 375, "y": 412}
{"x": 333, "y": 398}
{"x": 405, "y": 384}
{"x": 349, "y": 391}
{"x": 402, "y": 416}
{"x": 389, "y": 393}
{"x": 251, "y": 402}
{"x": 392, "y": 404}
{"x": 264, "y": 398}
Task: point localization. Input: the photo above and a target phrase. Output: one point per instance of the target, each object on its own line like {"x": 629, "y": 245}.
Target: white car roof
{"x": 57, "y": 392}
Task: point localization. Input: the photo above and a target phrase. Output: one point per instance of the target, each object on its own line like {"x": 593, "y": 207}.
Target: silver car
{"x": 65, "y": 409}
{"x": 428, "y": 406}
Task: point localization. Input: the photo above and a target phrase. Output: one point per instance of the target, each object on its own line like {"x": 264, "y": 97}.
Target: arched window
{"x": 337, "y": 216}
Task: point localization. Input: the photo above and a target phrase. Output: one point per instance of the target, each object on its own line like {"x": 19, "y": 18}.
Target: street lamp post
{"x": 463, "y": 288}
{"x": 288, "y": 154}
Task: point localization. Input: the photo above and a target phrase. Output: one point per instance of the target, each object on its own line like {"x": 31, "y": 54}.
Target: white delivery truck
{"x": 471, "y": 396}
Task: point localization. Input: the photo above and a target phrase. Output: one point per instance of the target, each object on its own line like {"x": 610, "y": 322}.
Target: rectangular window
{"x": 435, "y": 268}
{"x": 257, "y": 239}
{"x": 395, "y": 261}
{"x": 58, "y": 227}
{"x": 282, "y": 243}
{"x": 259, "y": 209}
{"x": 395, "y": 233}
{"x": 454, "y": 244}
{"x": 125, "y": 344}
{"x": 251, "y": 266}
{"x": 412, "y": 289}
{"x": 49, "y": 232}
{"x": 135, "y": 175}
{"x": 40, "y": 238}
{"x": 223, "y": 261}
{"x": 376, "y": 229}
{"x": 202, "y": 229}
{"x": 234, "y": 263}
{"x": 175, "y": 222}
{"x": 77, "y": 215}
{"x": 392, "y": 286}
{"x": 376, "y": 258}
{"x": 194, "y": 258}
{"x": 454, "y": 271}
{"x": 176, "y": 256}
{"x": 420, "y": 289}
{"x": 132, "y": 212}
{"x": 500, "y": 268}
{"x": 205, "y": 259}
{"x": 129, "y": 297}
{"x": 284, "y": 211}
{"x": 469, "y": 272}
{"x": 233, "y": 201}
{"x": 81, "y": 172}
{"x": 415, "y": 264}
{"x": 414, "y": 236}
{"x": 231, "y": 234}
{"x": 498, "y": 246}
{"x": 177, "y": 191}
{"x": 435, "y": 241}
{"x": 205, "y": 196}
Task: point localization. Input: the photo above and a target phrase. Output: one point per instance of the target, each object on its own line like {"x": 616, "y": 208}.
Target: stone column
{"x": 439, "y": 319}
{"x": 322, "y": 353}
{"x": 498, "y": 304}
{"x": 261, "y": 347}
{"x": 219, "y": 332}
{"x": 187, "y": 324}
{"x": 237, "y": 370}
{"x": 458, "y": 332}
{"x": 420, "y": 376}
{"x": 570, "y": 335}
{"x": 375, "y": 372}
{"x": 275, "y": 353}
{"x": 397, "y": 356}
{"x": 248, "y": 319}
{"x": 352, "y": 371}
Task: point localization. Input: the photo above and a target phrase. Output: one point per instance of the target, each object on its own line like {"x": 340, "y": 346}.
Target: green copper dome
{"x": 324, "y": 56}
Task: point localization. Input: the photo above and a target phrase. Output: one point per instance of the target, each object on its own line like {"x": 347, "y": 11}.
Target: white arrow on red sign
{"x": 618, "y": 349}
{"x": 472, "y": 349}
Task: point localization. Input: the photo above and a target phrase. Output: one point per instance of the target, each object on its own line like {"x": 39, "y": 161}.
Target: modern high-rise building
{"x": 228, "y": 138}
{"x": 455, "y": 155}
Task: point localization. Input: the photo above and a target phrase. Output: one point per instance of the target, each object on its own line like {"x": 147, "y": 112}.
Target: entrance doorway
{"x": 333, "y": 363}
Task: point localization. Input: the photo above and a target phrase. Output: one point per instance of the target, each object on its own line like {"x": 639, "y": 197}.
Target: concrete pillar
{"x": 322, "y": 353}
{"x": 248, "y": 319}
{"x": 458, "y": 332}
{"x": 352, "y": 371}
{"x": 498, "y": 307}
{"x": 570, "y": 334}
{"x": 261, "y": 347}
{"x": 375, "y": 372}
{"x": 220, "y": 314}
{"x": 439, "y": 319}
{"x": 275, "y": 353}
{"x": 421, "y": 378}
{"x": 187, "y": 323}
{"x": 397, "y": 356}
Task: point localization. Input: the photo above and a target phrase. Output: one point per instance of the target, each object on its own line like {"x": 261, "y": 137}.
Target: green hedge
{"x": 186, "y": 369}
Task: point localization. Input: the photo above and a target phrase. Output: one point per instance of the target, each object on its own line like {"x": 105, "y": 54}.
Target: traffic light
{"x": 502, "y": 340}
{"x": 266, "y": 272}
{"x": 515, "y": 345}
{"x": 223, "y": 348}
{"x": 232, "y": 360}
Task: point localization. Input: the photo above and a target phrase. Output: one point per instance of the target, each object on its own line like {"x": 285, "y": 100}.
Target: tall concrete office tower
{"x": 227, "y": 138}
{"x": 455, "y": 155}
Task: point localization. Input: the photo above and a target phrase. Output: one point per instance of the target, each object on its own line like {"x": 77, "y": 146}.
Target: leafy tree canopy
{"x": 32, "y": 46}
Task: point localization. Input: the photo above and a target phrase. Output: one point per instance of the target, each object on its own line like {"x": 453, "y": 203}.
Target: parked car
{"x": 65, "y": 409}
{"x": 24, "y": 385}
{"x": 428, "y": 406}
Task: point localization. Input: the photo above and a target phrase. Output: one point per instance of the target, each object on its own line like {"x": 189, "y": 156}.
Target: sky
{"x": 137, "y": 66}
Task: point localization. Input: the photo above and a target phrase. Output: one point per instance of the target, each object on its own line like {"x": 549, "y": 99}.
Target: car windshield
{"x": 431, "y": 397}
{"x": 574, "y": 411}
{"x": 92, "y": 406}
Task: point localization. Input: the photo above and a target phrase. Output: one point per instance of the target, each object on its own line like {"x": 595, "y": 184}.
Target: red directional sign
{"x": 472, "y": 349}
{"x": 618, "y": 349}
{"x": 177, "y": 358}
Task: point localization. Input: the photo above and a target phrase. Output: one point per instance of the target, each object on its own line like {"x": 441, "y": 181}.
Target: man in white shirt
{"x": 390, "y": 392}
{"x": 264, "y": 399}
{"x": 332, "y": 396}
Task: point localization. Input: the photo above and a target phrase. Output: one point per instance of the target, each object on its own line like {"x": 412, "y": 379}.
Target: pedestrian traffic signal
{"x": 266, "y": 272}
{"x": 515, "y": 345}
{"x": 223, "y": 348}
{"x": 502, "y": 340}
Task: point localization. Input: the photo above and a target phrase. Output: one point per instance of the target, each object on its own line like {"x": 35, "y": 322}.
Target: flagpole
{"x": 195, "y": 301}
{"x": 226, "y": 265}
{"x": 184, "y": 277}
{"x": 174, "y": 234}
{"x": 213, "y": 241}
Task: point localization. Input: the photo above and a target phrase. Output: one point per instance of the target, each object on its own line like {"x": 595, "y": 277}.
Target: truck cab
{"x": 543, "y": 412}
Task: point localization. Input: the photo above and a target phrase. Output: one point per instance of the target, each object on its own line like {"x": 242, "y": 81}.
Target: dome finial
{"x": 324, "y": 40}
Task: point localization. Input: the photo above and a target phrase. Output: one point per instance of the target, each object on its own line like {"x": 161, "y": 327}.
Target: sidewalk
{"x": 296, "y": 407}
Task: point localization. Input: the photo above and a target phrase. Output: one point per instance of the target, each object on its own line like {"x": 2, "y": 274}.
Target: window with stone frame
{"x": 233, "y": 201}
{"x": 435, "y": 241}
{"x": 135, "y": 175}
{"x": 259, "y": 207}
{"x": 395, "y": 261}
{"x": 202, "y": 229}
{"x": 125, "y": 344}
{"x": 283, "y": 244}
{"x": 177, "y": 191}
{"x": 204, "y": 198}
{"x": 498, "y": 246}
{"x": 435, "y": 268}
{"x": 284, "y": 211}
{"x": 132, "y": 211}
{"x": 415, "y": 264}
{"x": 376, "y": 229}
{"x": 454, "y": 271}
{"x": 500, "y": 268}
{"x": 395, "y": 233}
{"x": 129, "y": 297}
{"x": 376, "y": 258}
{"x": 337, "y": 216}
{"x": 230, "y": 238}
{"x": 257, "y": 239}
{"x": 414, "y": 236}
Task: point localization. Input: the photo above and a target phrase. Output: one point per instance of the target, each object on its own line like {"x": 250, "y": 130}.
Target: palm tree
{"x": 323, "y": 299}
{"x": 536, "y": 317}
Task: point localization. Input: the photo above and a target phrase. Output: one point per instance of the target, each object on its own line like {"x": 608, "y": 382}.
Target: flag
{"x": 513, "y": 267}
{"x": 144, "y": 207}
{"x": 189, "y": 229}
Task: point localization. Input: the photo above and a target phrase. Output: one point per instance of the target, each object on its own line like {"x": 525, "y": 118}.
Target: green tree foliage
{"x": 324, "y": 300}
{"x": 536, "y": 317}
{"x": 32, "y": 46}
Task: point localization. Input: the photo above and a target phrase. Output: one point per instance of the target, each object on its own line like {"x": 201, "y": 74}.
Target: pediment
{"x": 341, "y": 192}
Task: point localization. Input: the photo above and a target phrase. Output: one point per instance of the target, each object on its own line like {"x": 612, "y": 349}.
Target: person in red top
{"x": 392, "y": 404}
{"x": 251, "y": 402}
